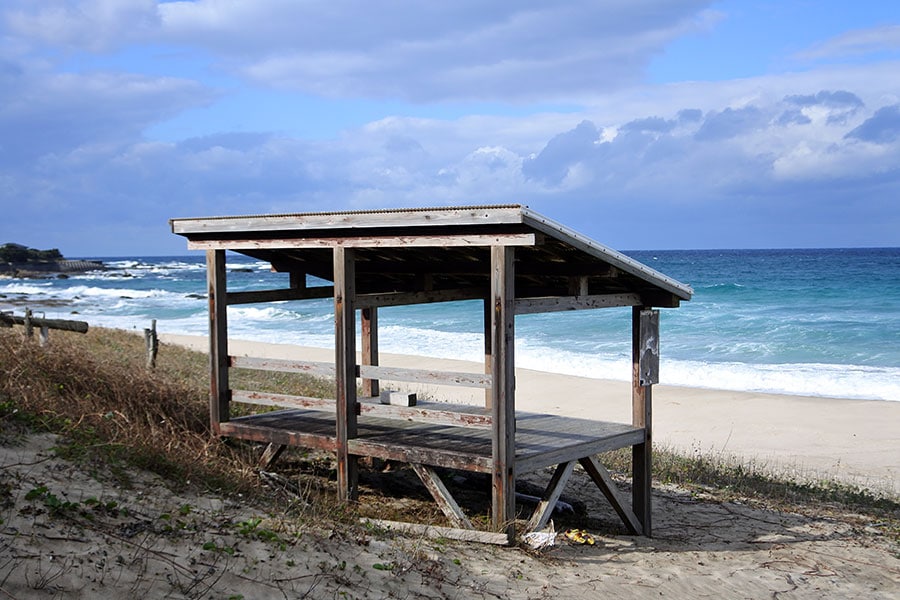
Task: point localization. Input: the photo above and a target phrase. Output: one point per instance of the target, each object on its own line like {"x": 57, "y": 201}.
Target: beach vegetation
{"x": 115, "y": 414}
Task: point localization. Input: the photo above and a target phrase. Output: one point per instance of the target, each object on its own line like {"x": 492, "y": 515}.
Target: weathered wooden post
{"x": 503, "y": 395}
{"x": 29, "y": 326}
{"x": 152, "y": 341}
{"x": 219, "y": 393}
{"x": 369, "y": 337}
{"x": 645, "y": 372}
{"x": 345, "y": 369}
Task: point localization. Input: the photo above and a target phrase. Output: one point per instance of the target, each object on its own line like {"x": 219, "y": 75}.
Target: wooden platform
{"x": 541, "y": 440}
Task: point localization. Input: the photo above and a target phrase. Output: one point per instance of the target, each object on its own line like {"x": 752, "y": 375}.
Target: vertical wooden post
{"x": 641, "y": 406}
{"x": 345, "y": 369}
{"x": 488, "y": 335}
{"x": 219, "y": 394}
{"x": 297, "y": 280}
{"x": 503, "y": 401}
{"x": 29, "y": 326}
{"x": 369, "y": 336}
{"x": 151, "y": 339}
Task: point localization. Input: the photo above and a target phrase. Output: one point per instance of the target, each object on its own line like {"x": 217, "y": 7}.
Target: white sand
{"x": 856, "y": 441}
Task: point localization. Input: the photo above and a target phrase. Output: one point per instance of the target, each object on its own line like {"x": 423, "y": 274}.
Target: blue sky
{"x": 642, "y": 123}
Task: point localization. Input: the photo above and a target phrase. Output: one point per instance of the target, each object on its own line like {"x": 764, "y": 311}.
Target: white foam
{"x": 26, "y": 288}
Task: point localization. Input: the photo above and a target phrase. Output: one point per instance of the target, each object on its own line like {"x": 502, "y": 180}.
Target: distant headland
{"x": 17, "y": 260}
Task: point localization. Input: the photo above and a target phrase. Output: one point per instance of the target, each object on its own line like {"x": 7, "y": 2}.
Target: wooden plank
{"x": 451, "y": 378}
{"x": 488, "y": 352}
{"x": 386, "y": 450}
{"x": 420, "y": 414}
{"x": 246, "y": 431}
{"x": 601, "y": 477}
{"x": 270, "y": 455}
{"x": 250, "y": 297}
{"x": 434, "y": 532}
{"x": 551, "y": 494}
{"x": 526, "y": 306}
{"x": 385, "y": 241}
{"x": 503, "y": 401}
{"x": 60, "y": 324}
{"x": 442, "y": 496}
{"x": 345, "y": 370}
{"x": 282, "y": 400}
{"x": 321, "y": 369}
{"x": 218, "y": 339}
{"x": 641, "y": 454}
{"x": 369, "y": 355}
{"x": 533, "y": 459}
{"x": 408, "y": 298}
{"x": 368, "y": 219}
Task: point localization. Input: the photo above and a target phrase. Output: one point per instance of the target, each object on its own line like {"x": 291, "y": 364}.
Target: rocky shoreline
{"x": 19, "y": 261}
{"x": 43, "y": 270}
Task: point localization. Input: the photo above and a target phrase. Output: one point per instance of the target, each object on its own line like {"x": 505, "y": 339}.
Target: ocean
{"x": 813, "y": 322}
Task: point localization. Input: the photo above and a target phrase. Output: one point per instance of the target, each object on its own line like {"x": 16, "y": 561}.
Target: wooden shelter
{"x": 511, "y": 258}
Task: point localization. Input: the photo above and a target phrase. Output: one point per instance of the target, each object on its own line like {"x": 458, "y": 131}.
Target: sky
{"x": 645, "y": 124}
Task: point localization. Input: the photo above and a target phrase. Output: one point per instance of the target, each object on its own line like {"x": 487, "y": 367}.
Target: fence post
{"x": 152, "y": 341}
{"x": 29, "y": 328}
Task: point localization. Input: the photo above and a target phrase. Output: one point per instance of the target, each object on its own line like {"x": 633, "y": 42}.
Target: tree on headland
{"x": 17, "y": 253}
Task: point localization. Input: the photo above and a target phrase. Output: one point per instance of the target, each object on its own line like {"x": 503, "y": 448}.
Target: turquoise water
{"x": 811, "y": 322}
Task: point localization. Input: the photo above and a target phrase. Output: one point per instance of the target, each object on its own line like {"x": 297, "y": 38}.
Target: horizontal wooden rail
{"x": 476, "y": 380}
{"x": 379, "y": 241}
{"x": 281, "y": 400}
{"x": 408, "y": 298}
{"x": 455, "y": 415}
{"x": 525, "y": 306}
{"x": 76, "y": 326}
{"x": 322, "y": 369}
{"x": 251, "y": 296}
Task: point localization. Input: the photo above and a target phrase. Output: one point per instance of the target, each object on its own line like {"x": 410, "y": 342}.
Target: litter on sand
{"x": 579, "y": 536}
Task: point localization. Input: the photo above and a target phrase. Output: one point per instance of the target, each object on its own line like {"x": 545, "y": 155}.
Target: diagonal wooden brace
{"x": 551, "y": 494}
{"x": 442, "y": 496}
{"x": 600, "y": 476}
{"x": 270, "y": 455}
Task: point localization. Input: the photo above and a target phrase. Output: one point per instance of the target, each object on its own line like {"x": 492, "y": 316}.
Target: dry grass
{"x": 95, "y": 390}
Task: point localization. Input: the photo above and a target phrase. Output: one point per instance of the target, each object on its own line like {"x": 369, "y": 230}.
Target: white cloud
{"x": 426, "y": 51}
{"x": 94, "y": 25}
{"x": 855, "y": 43}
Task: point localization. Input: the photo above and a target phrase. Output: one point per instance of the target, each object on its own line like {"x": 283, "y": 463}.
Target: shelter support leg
{"x": 601, "y": 477}
{"x": 442, "y": 496}
{"x": 345, "y": 371}
{"x": 551, "y": 495}
{"x": 644, "y": 372}
{"x": 503, "y": 401}
{"x": 219, "y": 394}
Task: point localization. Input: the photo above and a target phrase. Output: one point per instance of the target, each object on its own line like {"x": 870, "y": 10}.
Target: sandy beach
{"x": 855, "y": 441}
{"x": 74, "y": 530}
